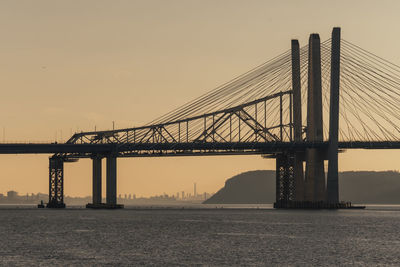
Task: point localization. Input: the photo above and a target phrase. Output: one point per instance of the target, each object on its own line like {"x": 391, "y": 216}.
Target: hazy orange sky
{"x": 73, "y": 65}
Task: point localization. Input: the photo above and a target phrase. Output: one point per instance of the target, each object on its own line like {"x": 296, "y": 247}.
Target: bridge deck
{"x": 170, "y": 149}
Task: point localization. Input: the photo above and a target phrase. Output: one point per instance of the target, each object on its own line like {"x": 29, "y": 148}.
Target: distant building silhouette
{"x": 12, "y": 195}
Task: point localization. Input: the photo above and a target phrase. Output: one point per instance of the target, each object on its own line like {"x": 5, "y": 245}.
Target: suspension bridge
{"x": 304, "y": 106}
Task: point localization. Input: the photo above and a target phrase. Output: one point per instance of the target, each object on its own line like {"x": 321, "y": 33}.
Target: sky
{"x": 68, "y": 66}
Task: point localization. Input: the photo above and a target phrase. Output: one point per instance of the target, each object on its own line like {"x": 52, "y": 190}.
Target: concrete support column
{"x": 333, "y": 179}
{"x": 111, "y": 197}
{"x": 96, "y": 193}
{"x": 297, "y": 120}
{"x": 315, "y": 174}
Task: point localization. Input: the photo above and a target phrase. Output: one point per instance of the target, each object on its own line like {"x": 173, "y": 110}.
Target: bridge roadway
{"x": 181, "y": 149}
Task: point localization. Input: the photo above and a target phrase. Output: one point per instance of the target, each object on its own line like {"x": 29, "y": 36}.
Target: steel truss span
{"x": 247, "y": 122}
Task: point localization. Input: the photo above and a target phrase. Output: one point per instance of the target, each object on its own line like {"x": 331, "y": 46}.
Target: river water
{"x": 199, "y": 235}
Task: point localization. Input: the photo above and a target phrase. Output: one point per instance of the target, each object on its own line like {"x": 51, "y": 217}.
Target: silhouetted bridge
{"x": 260, "y": 112}
{"x": 182, "y": 149}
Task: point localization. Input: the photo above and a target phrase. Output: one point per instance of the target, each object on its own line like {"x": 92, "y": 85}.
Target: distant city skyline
{"x": 181, "y": 195}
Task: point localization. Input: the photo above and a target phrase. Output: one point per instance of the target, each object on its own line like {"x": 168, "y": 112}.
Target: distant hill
{"x": 257, "y": 187}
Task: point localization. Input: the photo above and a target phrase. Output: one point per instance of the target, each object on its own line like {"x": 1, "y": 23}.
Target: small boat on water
{"x": 41, "y": 205}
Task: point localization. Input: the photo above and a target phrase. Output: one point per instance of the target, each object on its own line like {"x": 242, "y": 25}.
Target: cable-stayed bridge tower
{"x": 333, "y": 169}
{"x": 294, "y": 189}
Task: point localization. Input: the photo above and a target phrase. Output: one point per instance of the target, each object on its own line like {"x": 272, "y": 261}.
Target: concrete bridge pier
{"x": 96, "y": 183}
{"x": 315, "y": 174}
{"x": 111, "y": 183}
{"x": 333, "y": 179}
{"x": 297, "y": 122}
{"x": 96, "y": 192}
{"x": 111, "y": 180}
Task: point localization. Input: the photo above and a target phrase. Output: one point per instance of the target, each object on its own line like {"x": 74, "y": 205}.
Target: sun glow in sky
{"x": 68, "y": 66}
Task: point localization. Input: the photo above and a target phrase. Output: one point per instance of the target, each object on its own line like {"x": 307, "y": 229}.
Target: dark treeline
{"x": 256, "y": 187}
